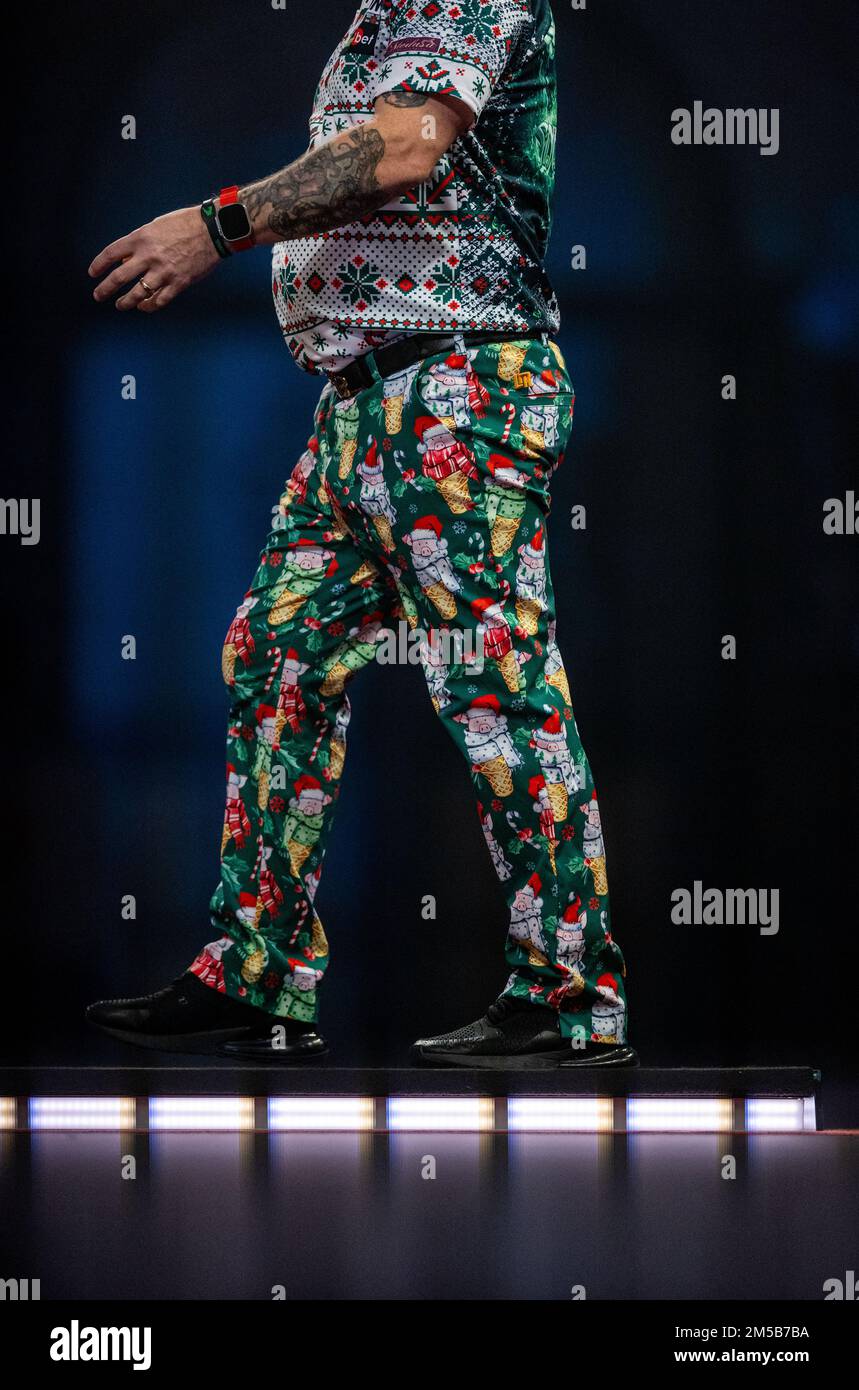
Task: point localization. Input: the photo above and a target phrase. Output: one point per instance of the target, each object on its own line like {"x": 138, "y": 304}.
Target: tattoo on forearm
{"x": 325, "y": 188}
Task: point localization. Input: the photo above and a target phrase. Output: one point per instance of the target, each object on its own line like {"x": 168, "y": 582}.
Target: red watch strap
{"x": 231, "y": 195}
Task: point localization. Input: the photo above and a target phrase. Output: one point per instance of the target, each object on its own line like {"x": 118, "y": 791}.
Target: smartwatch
{"x": 229, "y": 226}
{"x": 233, "y": 221}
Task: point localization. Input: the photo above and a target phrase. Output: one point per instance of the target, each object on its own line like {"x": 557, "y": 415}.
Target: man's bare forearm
{"x": 348, "y": 177}
{"x": 352, "y": 175}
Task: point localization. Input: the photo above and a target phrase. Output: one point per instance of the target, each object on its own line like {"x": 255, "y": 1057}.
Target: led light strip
{"x": 81, "y": 1112}
{"x": 782, "y": 1115}
{"x": 669, "y": 1114}
{"x": 456, "y": 1114}
{"x": 451, "y": 1114}
{"x": 561, "y": 1114}
{"x": 231, "y": 1113}
{"x": 345, "y": 1113}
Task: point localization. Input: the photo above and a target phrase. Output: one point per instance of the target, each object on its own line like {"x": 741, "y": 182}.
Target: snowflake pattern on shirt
{"x": 463, "y": 250}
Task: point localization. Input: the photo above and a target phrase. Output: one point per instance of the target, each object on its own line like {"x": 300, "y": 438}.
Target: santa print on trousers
{"x": 424, "y": 498}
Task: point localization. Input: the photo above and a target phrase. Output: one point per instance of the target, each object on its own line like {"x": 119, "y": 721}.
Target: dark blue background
{"x": 704, "y": 518}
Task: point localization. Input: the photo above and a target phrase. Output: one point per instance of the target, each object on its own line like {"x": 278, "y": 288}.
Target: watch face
{"x": 234, "y": 222}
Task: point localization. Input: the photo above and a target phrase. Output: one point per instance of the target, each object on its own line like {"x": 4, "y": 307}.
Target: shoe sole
{"x": 202, "y": 1043}
{"x": 271, "y": 1056}
{"x": 629, "y": 1059}
{"x": 533, "y": 1061}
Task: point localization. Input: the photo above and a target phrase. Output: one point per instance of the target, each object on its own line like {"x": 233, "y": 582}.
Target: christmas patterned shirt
{"x": 463, "y": 251}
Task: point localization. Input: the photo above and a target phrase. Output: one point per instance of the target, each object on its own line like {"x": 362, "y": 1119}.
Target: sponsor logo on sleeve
{"x": 413, "y": 46}
{"x": 364, "y": 38}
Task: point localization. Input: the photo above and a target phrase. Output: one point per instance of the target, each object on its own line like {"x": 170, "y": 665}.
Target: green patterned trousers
{"x": 419, "y": 507}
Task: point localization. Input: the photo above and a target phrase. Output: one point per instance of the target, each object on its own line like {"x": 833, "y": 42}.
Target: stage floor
{"x": 428, "y": 1216}
{"x": 332, "y": 1182}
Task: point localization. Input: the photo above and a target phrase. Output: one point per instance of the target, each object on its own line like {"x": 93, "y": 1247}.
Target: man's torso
{"x": 460, "y": 252}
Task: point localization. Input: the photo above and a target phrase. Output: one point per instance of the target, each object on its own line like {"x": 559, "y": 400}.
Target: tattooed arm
{"x": 357, "y": 172}
{"x": 340, "y": 181}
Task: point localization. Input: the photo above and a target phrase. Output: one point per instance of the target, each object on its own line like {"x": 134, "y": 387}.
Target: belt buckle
{"x": 342, "y": 387}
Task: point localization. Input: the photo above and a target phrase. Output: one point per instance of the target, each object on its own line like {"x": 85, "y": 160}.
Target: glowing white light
{"x": 456, "y": 1113}
{"x": 321, "y": 1112}
{"x": 782, "y": 1114}
{"x": 679, "y": 1114}
{"x": 80, "y": 1112}
{"x": 582, "y": 1114}
{"x": 463, "y": 1114}
{"x": 201, "y": 1112}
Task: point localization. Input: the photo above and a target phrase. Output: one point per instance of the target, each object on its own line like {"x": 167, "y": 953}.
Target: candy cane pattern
{"x": 258, "y": 861}
{"x": 319, "y": 739}
{"x": 278, "y": 658}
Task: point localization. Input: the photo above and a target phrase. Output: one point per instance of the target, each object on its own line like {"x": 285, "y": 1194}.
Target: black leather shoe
{"x": 514, "y": 1034}
{"x": 188, "y": 1016}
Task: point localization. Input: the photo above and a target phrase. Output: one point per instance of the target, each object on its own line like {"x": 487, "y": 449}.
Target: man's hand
{"x": 170, "y": 254}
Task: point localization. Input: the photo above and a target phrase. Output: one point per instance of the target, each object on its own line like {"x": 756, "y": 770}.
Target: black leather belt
{"x": 405, "y": 352}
